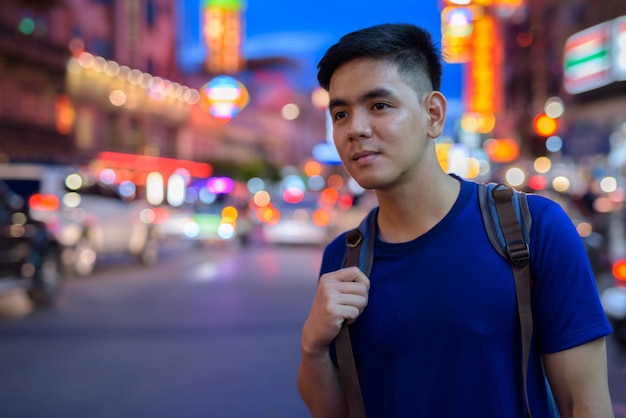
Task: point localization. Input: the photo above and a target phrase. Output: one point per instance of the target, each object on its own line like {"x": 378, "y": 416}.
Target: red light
{"x": 141, "y": 165}
{"x": 161, "y": 215}
{"x": 345, "y": 202}
{"x": 537, "y": 182}
{"x": 46, "y": 202}
{"x": 619, "y": 270}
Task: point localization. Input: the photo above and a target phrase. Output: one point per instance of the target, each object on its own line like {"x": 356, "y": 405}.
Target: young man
{"x": 434, "y": 328}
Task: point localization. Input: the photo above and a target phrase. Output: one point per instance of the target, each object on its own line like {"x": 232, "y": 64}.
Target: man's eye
{"x": 380, "y": 106}
{"x": 340, "y": 115}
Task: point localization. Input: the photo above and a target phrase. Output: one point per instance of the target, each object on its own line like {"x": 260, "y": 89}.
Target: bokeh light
{"x": 561, "y": 184}
{"x": 290, "y": 111}
{"x": 554, "y": 143}
{"x": 608, "y": 184}
{"x": 261, "y": 198}
{"x": 515, "y": 176}
{"x": 224, "y": 97}
{"x": 542, "y": 165}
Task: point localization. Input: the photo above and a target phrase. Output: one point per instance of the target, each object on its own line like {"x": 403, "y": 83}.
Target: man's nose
{"x": 360, "y": 127}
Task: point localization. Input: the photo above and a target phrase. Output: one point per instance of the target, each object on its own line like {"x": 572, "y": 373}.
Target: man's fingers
{"x": 347, "y": 275}
{"x": 357, "y": 301}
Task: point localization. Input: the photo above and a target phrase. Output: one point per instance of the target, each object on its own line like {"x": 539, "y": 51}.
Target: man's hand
{"x": 341, "y": 296}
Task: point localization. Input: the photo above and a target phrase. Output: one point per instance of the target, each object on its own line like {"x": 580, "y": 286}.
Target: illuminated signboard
{"x": 482, "y": 74}
{"x": 619, "y": 48}
{"x": 456, "y": 33}
{"x": 209, "y": 35}
{"x": 595, "y": 57}
{"x": 222, "y": 31}
{"x": 136, "y": 167}
{"x": 587, "y": 62}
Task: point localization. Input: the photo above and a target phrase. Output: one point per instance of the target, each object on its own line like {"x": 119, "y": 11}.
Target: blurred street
{"x": 208, "y": 332}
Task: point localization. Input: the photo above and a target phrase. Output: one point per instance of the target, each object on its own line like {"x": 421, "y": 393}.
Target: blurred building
{"x": 537, "y": 54}
{"x": 84, "y": 76}
{"x": 33, "y": 59}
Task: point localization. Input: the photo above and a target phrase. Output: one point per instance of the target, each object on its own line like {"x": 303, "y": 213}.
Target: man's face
{"x": 380, "y": 123}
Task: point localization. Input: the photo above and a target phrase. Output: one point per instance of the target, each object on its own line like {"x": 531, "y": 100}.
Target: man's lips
{"x": 364, "y": 157}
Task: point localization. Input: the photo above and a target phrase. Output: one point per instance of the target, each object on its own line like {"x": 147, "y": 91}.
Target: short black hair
{"x": 409, "y": 46}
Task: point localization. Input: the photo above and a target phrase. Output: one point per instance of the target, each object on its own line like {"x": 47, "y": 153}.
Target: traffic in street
{"x": 209, "y": 331}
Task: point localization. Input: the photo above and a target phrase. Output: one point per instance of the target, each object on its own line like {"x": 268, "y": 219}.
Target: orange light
{"x": 46, "y": 202}
{"x": 320, "y": 218}
{"x": 473, "y": 122}
{"x": 510, "y": 3}
{"x": 545, "y": 125}
{"x": 312, "y": 168}
{"x": 268, "y": 214}
{"x": 619, "y": 270}
{"x": 335, "y": 181}
{"x": 329, "y": 196}
{"x": 502, "y": 150}
{"x": 229, "y": 214}
{"x": 65, "y": 114}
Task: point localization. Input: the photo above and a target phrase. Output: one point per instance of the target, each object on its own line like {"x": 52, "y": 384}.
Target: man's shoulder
{"x": 334, "y": 253}
{"x": 539, "y": 204}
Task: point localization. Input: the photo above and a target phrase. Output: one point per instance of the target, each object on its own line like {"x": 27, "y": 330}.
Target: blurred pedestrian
{"x": 434, "y": 327}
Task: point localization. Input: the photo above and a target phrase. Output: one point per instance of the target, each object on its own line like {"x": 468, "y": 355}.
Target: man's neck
{"x": 409, "y": 213}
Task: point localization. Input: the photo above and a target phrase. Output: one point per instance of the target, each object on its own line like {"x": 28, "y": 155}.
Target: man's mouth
{"x": 364, "y": 157}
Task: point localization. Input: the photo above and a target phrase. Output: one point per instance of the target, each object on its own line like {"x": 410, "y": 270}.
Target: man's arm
{"x": 579, "y": 381}
{"x": 320, "y": 387}
{"x": 341, "y": 296}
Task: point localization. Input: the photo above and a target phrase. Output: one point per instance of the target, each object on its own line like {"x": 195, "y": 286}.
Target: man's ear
{"x": 435, "y": 104}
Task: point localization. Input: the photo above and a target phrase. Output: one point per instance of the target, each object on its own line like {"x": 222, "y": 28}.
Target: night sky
{"x": 304, "y": 29}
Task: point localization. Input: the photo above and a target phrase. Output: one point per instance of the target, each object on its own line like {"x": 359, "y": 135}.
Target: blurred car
{"x": 298, "y": 223}
{"x": 213, "y": 223}
{"x": 30, "y": 257}
{"x": 90, "y": 219}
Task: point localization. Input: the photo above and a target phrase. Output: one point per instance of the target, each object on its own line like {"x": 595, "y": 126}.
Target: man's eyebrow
{"x": 371, "y": 94}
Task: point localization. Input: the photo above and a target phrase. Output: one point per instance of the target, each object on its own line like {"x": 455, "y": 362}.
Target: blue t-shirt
{"x": 440, "y": 335}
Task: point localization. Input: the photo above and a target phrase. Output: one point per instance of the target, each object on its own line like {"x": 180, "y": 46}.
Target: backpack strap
{"x": 367, "y": 231}
{"x": 491, "y": 218}
{"x": 509, "y": 238}
{"x": 343, "y": 344}
{"x": 360, "y": 250}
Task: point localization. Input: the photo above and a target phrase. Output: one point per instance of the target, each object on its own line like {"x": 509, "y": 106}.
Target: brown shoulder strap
{"x": 519, "y": 255}
{"x": 345, "y": 357}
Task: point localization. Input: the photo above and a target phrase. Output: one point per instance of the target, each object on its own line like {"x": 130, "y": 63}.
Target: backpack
{"x": 508, "y": 222}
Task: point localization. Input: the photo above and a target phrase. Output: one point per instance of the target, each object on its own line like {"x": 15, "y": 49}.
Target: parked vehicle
{"x": 89, "y": 218}
{"x": 30, "y": 256}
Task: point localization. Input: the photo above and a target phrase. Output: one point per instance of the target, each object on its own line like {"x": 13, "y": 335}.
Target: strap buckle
{"x": 518, "y": 252}
{"x": 354, "y": 238}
